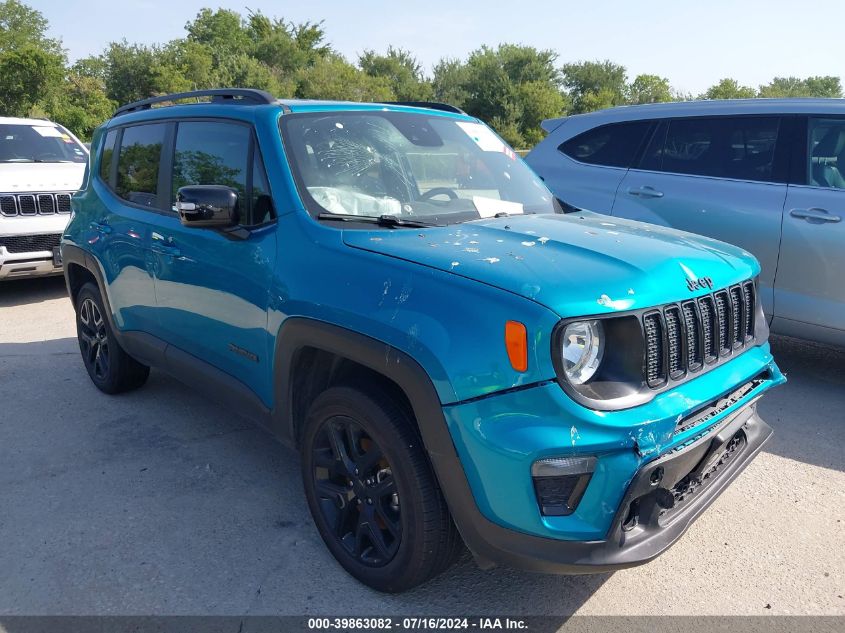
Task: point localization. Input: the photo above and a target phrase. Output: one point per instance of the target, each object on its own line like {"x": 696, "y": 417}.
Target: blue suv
{"x": 390, "y": 290}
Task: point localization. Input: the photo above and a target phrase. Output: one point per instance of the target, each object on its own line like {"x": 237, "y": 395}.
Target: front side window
{"x": 827, "y": 153}
{"x": 427, "y": 167}
{"x": 613, "y": 145}
{"x": 41, "y": 143}
{"x": 741, "y": 148}
{"x": 218, "y": 153}
{"x": 138, "y": 162}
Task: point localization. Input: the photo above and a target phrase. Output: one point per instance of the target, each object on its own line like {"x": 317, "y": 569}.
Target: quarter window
{"x": 827, "y": 153}
{"x": 106, "y": 156}
{"x": 741, "y": 148}
{"x": 613, "y": 145}
{"x": 138, "y": 163}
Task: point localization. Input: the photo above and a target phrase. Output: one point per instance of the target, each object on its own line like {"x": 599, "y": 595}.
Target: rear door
{"x": 120, "y": 236}
{"x": 723, "y": 177}
{"x": 212, "y": 285}
{"x": 585, "y": 170}
{"x": 809, "y": 288}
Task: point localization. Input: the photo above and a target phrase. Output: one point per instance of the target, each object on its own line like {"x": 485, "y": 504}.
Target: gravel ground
{"x": 159, "y": 502}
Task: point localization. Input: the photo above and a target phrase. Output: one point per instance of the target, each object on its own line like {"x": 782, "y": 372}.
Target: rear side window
{"x": 827, "y": 153}
{"x": 613, "y": 145}
{"x": 138, "y": 163}
{"x": 106, "y": 155}
{"x": 219, "y": 153}
{"x": 741, "y": 148}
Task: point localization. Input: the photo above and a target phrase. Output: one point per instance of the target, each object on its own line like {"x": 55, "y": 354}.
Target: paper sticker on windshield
{"x": 483, "y": 136}
{"x": 47, "y": 131}
{"x": 489, "y": 207}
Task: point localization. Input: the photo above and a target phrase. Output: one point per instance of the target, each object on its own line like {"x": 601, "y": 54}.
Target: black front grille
{"x": 34, "y": 203}
{"x": 681, "y": 338}
{"x": 30, "y": 243}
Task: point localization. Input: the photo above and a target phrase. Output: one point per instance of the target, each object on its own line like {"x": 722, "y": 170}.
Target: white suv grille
{"x": 23, "y": 204}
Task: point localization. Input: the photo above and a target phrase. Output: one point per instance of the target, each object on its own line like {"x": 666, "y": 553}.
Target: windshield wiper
{"x": 381, "y": 220}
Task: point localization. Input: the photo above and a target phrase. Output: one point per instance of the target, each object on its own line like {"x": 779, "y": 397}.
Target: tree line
{"x": 512, "y": 87}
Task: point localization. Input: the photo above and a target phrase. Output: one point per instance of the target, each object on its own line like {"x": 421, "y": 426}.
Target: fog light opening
{"x": 560, "y": 483}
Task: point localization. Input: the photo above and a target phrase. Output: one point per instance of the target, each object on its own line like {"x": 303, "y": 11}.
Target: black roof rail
{"x": 218, "y": 95}
{"x": 431, "y": 105}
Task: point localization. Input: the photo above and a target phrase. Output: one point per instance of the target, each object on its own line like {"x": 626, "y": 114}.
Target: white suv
{"x": 41, "y": 165}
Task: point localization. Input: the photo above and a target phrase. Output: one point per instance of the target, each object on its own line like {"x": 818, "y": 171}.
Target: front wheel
{"x": 111, "y": 369}
{"x": 372, "y": 492}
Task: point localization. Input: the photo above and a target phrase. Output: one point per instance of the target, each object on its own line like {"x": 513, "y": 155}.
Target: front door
{"x": 212, "y": 286}
{"x": 809, "y": 289}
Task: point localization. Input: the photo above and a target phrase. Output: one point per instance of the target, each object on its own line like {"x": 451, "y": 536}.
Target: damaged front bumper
{"x": 657, "y": 467}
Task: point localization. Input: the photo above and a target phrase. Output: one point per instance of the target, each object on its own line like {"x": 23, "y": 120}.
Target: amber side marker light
{"x": 516, "y": 342}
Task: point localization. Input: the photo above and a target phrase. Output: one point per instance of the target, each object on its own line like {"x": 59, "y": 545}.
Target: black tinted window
{"x": 722, "y": 147}
{"x": 613, "y": 145}
{"x": 261, "y": 204}
{"x": 137, "y": 163}
{"x": 106, "y": 155}
{"x": 827, "y": 153}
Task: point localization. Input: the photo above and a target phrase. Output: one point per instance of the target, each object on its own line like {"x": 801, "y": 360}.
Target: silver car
{"x": 765, "y": 174}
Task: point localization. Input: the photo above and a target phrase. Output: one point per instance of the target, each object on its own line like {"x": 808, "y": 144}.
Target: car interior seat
{"x": 826, "y": 162}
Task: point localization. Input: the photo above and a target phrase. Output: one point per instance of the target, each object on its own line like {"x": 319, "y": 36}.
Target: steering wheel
{"x": 440, "y": 191}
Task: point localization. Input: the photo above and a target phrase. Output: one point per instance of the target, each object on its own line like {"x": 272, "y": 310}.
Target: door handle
{"x": 100, "y": 227}
{"x": 645, "y": 192}
{"x": 164, "y": 245}
{"x": 815, "y": 214}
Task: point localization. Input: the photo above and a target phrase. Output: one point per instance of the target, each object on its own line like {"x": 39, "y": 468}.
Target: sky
{"x": 692, "y": 43}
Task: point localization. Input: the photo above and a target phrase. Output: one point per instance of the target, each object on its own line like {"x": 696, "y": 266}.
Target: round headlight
{"x": 583, "y": 348}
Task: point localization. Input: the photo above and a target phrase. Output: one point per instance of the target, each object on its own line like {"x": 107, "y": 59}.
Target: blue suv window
{"x": 613, "y": 145}
{"x": 138, "y": 162}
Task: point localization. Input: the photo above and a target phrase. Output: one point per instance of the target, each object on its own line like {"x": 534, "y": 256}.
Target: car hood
{"x": 35, "y": 177}
{"x": 575, "y": 264}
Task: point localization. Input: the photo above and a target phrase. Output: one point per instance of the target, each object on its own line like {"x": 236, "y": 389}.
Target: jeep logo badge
{"x": 700, "y": 284}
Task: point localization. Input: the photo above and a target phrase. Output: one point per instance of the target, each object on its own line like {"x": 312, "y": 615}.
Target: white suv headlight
{"x": 582, "y": 350}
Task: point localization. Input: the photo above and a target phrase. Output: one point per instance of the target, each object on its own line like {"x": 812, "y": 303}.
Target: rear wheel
{"x": 111, "y": 369}
{"x": 372, "y": 493}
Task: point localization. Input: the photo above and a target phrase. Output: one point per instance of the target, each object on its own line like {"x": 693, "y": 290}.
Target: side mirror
{"x": 207, "y": 205}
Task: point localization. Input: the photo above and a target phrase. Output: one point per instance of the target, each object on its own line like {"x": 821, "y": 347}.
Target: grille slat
{"x": 691, "y": 325}
{"x": 654, "y": 350}
{"x": 8, "y": 206}
{"x": 26, "y": 205}
{"x": 674, "y": 342}
{"x": 685, "y": 337}
{"x": 46, "y": 204}
{"x": 34, "y": 203}
{"x": 30, "y": 243}
{"x": 723, "y": 319}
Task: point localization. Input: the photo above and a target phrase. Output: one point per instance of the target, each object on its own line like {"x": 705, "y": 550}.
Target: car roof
{"x": 12, "y": 120}
{"x": 709, "y": 107}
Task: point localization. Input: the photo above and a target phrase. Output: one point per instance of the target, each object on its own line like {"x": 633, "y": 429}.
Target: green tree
{"x": 82, "y": 104}
{"x": 137, "y": 71}
{"x": 796, "y": 87}
{"x": 27, "y": 76}
{"x": 333, "y": 77}
{"x": 402, "y": 72}
{"x": 22, "y": 26}
{"x": 595, "y": 85}
{"x": 511, "y": 87}
{"x": 729, "y": 89}
{"x": 649, "y": 89}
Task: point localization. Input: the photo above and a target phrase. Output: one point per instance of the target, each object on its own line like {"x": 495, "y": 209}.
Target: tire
{"x": 377, "y": 506}
{"x": 111, "y": 369}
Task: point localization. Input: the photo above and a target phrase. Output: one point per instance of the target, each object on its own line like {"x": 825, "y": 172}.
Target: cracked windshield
{"x": 428, "y": 168}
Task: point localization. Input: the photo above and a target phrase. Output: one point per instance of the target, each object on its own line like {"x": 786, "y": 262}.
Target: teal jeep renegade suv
{"x": 457, "y": 359}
